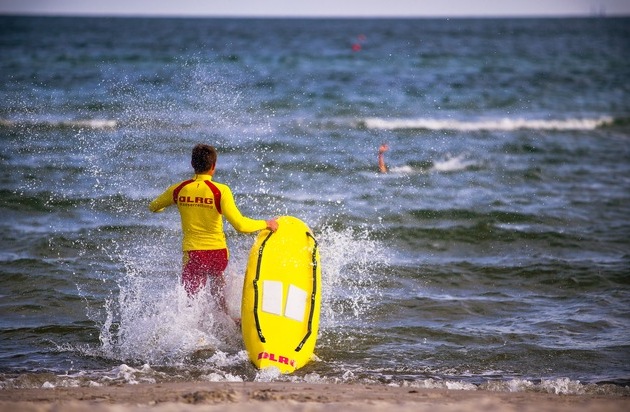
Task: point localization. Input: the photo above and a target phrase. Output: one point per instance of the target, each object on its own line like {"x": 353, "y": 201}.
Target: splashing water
{"x": 349, "y": 263}
{"x": 152, "y": 320}
{"x": 160, "y": 328}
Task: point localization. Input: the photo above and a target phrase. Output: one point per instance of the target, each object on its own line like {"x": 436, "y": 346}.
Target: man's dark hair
{"x": 204, "y": 157}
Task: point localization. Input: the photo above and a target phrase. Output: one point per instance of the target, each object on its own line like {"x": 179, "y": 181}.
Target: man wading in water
{"x": 202, "y": 204}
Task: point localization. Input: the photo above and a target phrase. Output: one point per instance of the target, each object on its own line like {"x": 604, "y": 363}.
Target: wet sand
{"x": 275, "y": 397}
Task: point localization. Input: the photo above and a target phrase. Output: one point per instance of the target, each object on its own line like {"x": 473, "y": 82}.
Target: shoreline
{"x": 243, "y": 396}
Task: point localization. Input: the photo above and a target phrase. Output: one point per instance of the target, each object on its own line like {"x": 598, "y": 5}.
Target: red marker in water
{"x": 357, "y": 46}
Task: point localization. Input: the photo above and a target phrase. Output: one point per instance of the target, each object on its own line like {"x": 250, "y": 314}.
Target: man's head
{"x": 204, "y": 158}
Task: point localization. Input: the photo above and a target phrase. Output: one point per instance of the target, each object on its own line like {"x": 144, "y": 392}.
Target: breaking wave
{"x": 58, "y": 124}
{"x": 504, "y": 124}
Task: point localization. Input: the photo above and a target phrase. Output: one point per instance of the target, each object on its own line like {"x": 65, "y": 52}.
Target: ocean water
{"x": 494, "y": 255}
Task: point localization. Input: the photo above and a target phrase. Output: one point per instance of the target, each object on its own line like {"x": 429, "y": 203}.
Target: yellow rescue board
{"x": 282, "y": 297}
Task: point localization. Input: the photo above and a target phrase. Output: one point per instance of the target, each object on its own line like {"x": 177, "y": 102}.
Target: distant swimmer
{"x": 381, "y": 158}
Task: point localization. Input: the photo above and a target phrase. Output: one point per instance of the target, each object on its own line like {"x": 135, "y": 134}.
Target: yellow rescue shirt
{"x": 201, "y": 202}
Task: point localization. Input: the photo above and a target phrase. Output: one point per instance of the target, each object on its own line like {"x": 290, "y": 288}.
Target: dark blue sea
{"x": 494, "y": 255}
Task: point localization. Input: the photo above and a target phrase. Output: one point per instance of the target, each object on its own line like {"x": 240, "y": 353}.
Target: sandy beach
{"x": 263, "y": 397}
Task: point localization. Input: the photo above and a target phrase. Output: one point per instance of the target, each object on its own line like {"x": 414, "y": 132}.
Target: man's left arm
{"x": 235, "y": 218}
{"x": 162, "y": 201}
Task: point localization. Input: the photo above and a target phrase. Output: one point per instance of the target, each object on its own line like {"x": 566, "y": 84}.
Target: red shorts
{"x": 201, "y": 266}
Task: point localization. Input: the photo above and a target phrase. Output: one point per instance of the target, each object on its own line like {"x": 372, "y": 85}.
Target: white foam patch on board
{"x": 296, "y": 303}
{"x": 272, "y": 297}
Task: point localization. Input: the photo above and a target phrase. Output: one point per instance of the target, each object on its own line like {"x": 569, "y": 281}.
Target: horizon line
{"x": 305, "y": 16}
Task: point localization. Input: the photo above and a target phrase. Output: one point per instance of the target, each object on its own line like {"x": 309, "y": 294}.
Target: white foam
{"x": 92, "y": 123}
{"x": 504, "y": 124}
{"x": 218, "y": 377}
{"x": 562, "y": 386}
{"x": 403, "y": 170}
{"x": 431, "y": 383}
{"x": 453, "y": 164}
{"x": 268, "y": 374}
{"x": 81, "y": 123}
